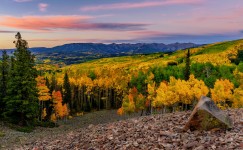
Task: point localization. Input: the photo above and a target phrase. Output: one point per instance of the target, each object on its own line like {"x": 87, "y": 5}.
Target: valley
{"x": 125, "y": 75}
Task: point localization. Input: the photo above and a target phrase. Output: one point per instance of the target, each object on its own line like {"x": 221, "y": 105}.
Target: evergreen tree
{"x": 4, "y": 67}
{"x": 53, "y": 84}
{"x": 187, "y": 68}
{"x": 67, "y": 91}
{"x": 22, "y": 93}
{"x": 239, "y": 56}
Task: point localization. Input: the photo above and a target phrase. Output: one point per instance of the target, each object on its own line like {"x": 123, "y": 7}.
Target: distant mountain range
{"x": 81, "y": 52}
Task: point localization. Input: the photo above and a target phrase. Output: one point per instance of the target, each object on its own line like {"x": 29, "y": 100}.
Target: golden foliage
{"x": 53, "y": 117}
{"x": 43, "y": 115}
{"x": 179, "y": 91}
{"x": 238, "y": 98}
{"x": 44, "y": 94}
{"x": 222, "y": 92}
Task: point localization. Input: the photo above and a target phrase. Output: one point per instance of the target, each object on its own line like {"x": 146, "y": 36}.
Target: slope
{"x": 148, "y": 132}
{"x": 217, "y": 54}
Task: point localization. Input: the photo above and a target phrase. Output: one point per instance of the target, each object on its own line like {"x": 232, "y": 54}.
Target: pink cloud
{"x": 50, "y": 23}
{"x": 140, "y": 4}
{"x": 64, "y": 40}
{"x": 148, "y": 33}
{"x": 22, "y": 1}
{"x": 42, "y": 7}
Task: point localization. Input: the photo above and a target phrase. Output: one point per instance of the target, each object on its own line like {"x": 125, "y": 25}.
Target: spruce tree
{"x": 4, "y": 67}
{"x": 187, "y": 68}
{"x": 67, "y": 91}
{"x": 53, "y": 84}
{"x": 22, "y": 93}
{"x": 239, "y": 57}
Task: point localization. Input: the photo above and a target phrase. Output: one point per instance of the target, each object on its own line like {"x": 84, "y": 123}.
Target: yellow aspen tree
{"x": 53, "y": 117}
{"x": 43, "y": 115}
{"x": 198, "y": 87}
{"x": 238, "y": 98}
{"x": 140, "y": 102}
{"x": 184, "y": 91}
{"x": 161, "y": 97}
{"x": 173, "y": 91}
{"x": 166, "y": 95}
{"x": 238, "y": 93}
{"x": 43, "y": 93}
{"x": 222, "y": 92}
{"x": 151, "y": 89}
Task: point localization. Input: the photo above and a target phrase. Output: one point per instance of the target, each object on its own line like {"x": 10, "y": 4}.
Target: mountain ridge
{"x": 81, "y": 52}
{"x": 116, "y": 44}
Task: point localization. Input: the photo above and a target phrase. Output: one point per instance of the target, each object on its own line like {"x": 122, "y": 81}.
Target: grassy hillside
{"x": 217, "y": 54}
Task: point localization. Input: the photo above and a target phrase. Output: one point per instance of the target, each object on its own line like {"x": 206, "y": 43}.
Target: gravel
{"x": 147, "y": 132}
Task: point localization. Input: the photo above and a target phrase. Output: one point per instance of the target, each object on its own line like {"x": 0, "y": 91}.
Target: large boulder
{"x": 206, "y": 115}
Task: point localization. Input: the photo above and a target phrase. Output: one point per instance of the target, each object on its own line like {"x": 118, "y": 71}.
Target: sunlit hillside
{"x": 109, "y": 82}
{"x": 222, "y": 53}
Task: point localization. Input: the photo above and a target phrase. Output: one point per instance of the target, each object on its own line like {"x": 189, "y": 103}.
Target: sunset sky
{"x": 47, "y": 23}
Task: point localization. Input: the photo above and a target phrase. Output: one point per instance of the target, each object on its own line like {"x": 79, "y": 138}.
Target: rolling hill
{"x": 82, "y": 52}
{"x": 216, "y": 53}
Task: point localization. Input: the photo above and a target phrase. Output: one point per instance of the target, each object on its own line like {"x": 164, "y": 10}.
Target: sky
{"x": 48, "y": 23}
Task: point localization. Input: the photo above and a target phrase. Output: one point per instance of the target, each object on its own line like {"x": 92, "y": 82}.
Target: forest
{"x": 35, "y": 94}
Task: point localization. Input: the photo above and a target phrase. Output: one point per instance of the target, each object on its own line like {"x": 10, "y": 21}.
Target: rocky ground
{"x": 12, "y": 139}
{"x": 148, "y": 132}
{"x": 106, "y": 130}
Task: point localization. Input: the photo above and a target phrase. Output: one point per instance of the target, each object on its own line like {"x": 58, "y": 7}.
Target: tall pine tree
{"x": 4, "y": 67}
{"x": 67, "y": 91}
{"x": 22, "y": 93}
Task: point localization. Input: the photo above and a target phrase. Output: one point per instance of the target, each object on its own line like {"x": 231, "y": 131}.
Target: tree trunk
{"x": 141, "y": 113}
{"x": 21, "y": 123}
{"x": 99, "y": 97}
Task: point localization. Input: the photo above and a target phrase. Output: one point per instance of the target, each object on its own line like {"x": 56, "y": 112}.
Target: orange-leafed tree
{"x": 128, "y": 105}
{"x": 60, "y": 110}
{"x": 132, "y": 102}
{"x": 44, "y": 94}
{"x": 120, "y": 111}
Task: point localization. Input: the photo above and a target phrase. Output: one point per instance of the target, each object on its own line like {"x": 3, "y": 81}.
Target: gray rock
{"x": 206, "y": 115}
